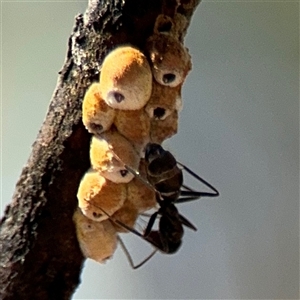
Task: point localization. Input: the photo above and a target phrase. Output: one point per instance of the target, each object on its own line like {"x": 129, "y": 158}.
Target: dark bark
{"x": 39, "y": 253}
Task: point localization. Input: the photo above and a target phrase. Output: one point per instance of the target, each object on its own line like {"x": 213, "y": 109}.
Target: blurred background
{"x": 238, "y": 129}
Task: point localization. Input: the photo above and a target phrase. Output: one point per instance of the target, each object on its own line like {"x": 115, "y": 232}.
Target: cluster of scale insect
{"x": 136, "y": 101}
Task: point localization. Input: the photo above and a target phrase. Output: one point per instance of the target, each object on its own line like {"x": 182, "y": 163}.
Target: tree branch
{"x": 39, "y": 253}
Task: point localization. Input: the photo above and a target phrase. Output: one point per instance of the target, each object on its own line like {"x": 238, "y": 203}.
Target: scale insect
{"x": 165, "y": 178}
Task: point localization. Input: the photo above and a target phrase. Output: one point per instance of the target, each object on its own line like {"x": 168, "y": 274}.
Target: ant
{"x": 165, "y": 177}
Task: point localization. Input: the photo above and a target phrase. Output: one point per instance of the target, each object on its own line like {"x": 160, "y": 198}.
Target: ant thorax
{"x": 163, "y": 173}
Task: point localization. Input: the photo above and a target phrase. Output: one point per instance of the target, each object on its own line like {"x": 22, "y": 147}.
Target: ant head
{"x": 161, "y": 163}
{"x": 153, "y": 151}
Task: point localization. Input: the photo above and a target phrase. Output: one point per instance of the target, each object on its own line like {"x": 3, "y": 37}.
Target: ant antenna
{"x": 129, "y": 256}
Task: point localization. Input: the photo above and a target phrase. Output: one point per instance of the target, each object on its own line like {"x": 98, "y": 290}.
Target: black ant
{"x": 165, "y": 177}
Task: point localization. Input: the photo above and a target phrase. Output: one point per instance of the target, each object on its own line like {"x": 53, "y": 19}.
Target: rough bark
{"x": 39, "y": 253}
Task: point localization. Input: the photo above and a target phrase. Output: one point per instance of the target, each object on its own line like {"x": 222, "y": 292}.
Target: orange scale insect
{"x": 134, "y": 125}
{"x": 171, "y": 61}
{"x": 164, "y": 129}
{"x": 127, "y": 214}
{"x": 103, "y": 161}
{"x": 97, "y": 240}
{"x": 126, "y": 79}
{"x": 164, "y": 100}
{"x": 95, "y": 193}
{"x": 97, "y": 116}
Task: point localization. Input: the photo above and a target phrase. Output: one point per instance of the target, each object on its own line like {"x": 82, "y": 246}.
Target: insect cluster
{"x": 135, "y": 102}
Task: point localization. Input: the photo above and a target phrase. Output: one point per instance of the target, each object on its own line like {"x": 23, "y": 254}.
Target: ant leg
{"x": 116, "y": 221}
{"x": 188, "y": 189}
{"x": 147, "y": 231}
{"x": 150, "y": 224}
{"x": 185, "y": 198}
{"x": 187, "y": 223}
{"x": 145, "y": 215}
{"x": 188, "y": 194}
{"x": 130, "y": 258}
{"x": 204, "y": 194}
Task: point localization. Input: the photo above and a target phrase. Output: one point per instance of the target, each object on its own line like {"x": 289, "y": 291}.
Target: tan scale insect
{"x": 126, "y": 79}
{"x": 127, "y": 214}
{"x": 95, "y": 192}
{"x": 97, "y": 115}
{"x": 97, "y": 240}
{"x": 164, "y": 100}
{"x": 134, "y": 125}
{"x": 175, "y": 27}
{"x": 103, "y": 161}
{"x": 164, "y": 129}
{"x": 170, "y": 60}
